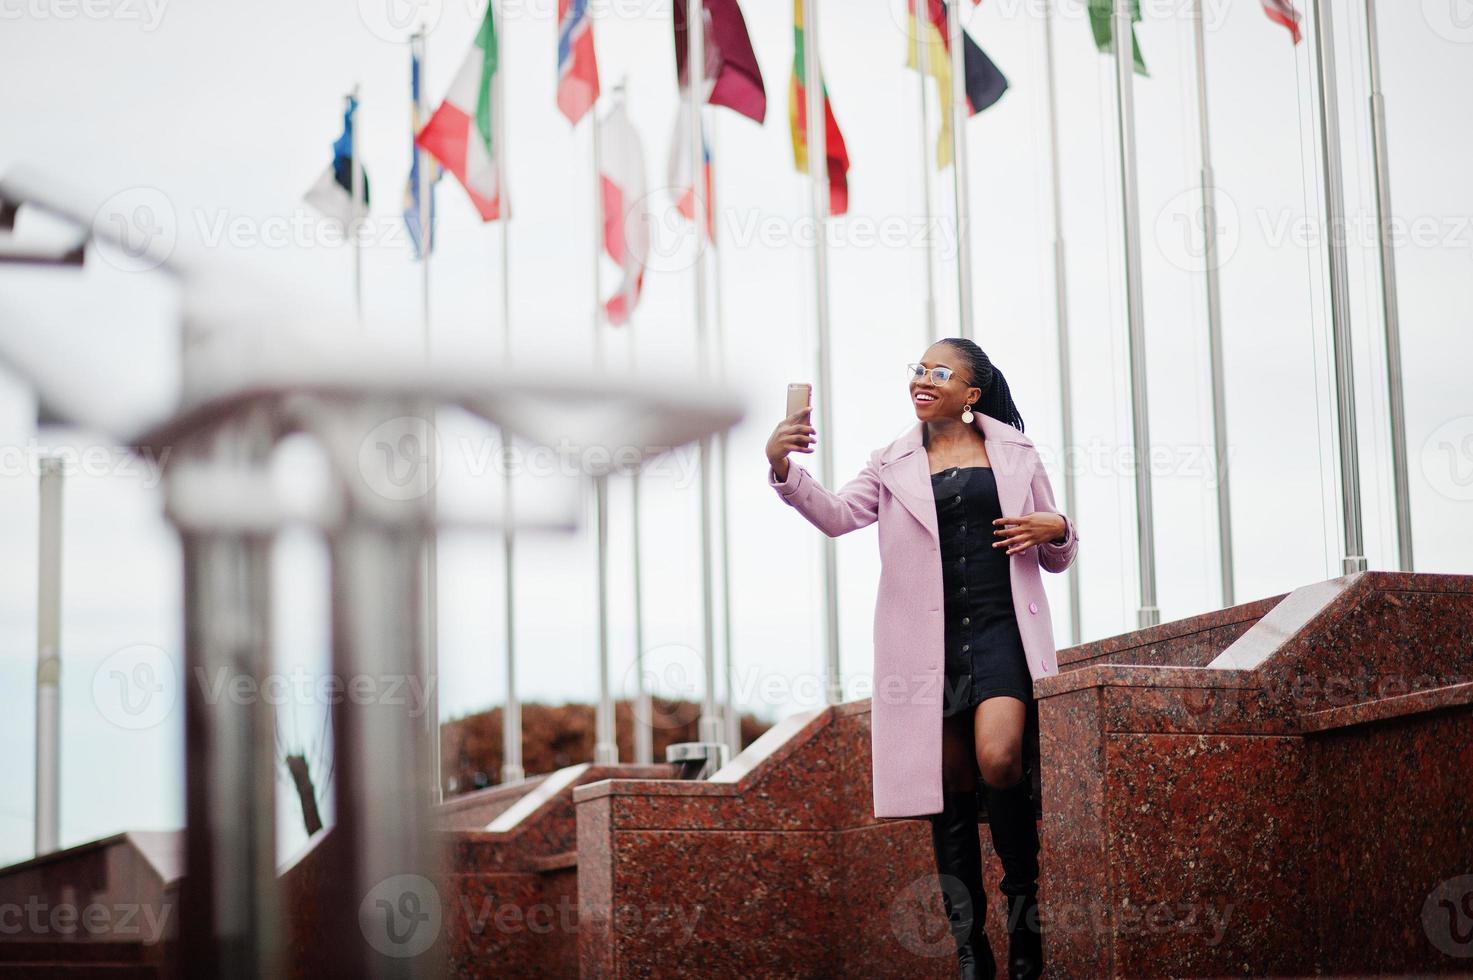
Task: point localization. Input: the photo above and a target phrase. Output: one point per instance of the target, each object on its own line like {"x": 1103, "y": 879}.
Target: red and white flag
{"x": 577, "y": 62}
{"x": 1283, "y": 12}
{"x": 626, "y": 225}
{"x": 459, "y": 134}
{"x": 678, "y": 177}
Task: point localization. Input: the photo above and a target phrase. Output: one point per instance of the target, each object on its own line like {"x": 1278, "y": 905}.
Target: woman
{"x": 961, "y": 627}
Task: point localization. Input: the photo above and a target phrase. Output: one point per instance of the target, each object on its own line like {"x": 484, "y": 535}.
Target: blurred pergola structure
{"x": 368, "y": 411}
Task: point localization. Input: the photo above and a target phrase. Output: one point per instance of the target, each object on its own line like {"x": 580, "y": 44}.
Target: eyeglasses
{"x": 939, "y": 375}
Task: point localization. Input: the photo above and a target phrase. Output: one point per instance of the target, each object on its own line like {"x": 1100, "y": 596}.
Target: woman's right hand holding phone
{"x": 792, "y": 433}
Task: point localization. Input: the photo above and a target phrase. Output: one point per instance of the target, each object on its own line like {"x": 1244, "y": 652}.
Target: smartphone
{"x": 800, "y": 396}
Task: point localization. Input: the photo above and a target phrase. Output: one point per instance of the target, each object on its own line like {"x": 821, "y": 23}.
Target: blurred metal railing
{"x": 241, "y": 395}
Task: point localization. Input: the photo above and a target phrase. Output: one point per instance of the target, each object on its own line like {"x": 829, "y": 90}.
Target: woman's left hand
{"x": 1021, "y": 533}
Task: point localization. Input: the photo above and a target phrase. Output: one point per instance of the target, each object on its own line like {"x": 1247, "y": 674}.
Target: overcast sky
{"x": 217, "y": 116}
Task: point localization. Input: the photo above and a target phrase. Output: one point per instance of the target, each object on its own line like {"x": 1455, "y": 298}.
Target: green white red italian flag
{"x": 459, "y": 133}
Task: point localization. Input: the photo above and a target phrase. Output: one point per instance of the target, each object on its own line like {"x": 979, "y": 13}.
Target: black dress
{"x": 984, "y": 650}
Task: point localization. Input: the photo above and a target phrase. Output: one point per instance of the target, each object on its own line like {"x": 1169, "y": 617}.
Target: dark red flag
{"x": 730, "y": 62}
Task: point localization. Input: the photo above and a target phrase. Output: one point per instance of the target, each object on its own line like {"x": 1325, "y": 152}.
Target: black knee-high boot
{"x": 1015, "y": 838}
{"x": 959, "y": 864}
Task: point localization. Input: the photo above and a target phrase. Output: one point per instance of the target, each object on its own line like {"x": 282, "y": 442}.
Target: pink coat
{"x": 894, "y": 488}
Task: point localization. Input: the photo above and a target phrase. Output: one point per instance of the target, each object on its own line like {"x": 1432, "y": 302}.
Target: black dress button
{"x": 957, "y": 499}
{"x": 963, "y": 559}
{"x": 966, "y": 621}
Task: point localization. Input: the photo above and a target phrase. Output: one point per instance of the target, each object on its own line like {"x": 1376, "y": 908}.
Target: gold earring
{"x": 967, "y": 415}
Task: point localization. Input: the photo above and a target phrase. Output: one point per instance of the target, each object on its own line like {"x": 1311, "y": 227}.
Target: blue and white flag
{"x": 419, "y": 215}
{"x": 332, "y": 194}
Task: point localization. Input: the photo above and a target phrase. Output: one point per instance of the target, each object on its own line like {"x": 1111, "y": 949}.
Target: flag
{"x": 833, "y": 140}
{"x": 626, "y": 230}
{"x": 1100, "y": 24}
{"x": 985, "y": 84}
{"x": 730, "y": 62}
{"x": 459, "y": 133}
{"x": 678, "y": 176}
{"x": 1283, "y": 12}
{"x": 332, "y": 194}
{"x": 577, "y": 64}
{"x": 419, "y": 214}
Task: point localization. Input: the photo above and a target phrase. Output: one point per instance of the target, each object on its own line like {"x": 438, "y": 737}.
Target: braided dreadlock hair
{"x": 996, "y": 399}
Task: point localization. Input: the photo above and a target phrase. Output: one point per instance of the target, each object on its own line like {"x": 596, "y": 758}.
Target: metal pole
{"x": 382, "y": 822}
{"x": 432, "y": 545}
{"x": 644, "y": 722}
{"x": 598, "y": 234}
{"x": 1214, "y": 316}
{"x": 229, "y": 913}
{"x": 511, "y": 722}
{"x": 1354, "y": 560}
{"x": 512, "y": 770}
{"x": 643, "y": 718}
{"x": 431, "y": 666}
{"x": 959, "y": 174}
{"x": 1390, "y": 309}
{"x": 709, "y": 727}
{"x": 48, "y": 658}
{"x": 818, "y": 173}
{"x": 1148, "y": 614}
{"x": 356, "y": 221}
{"x": 606, "y": 744}
{"x": 1061, "y": 307}
{"x": 921, "y": 22}
{"x": 730, "y": 707}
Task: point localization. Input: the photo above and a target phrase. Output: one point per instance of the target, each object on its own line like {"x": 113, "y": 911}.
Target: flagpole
{"x": 1148, "y": 614}
{"x": 432, "y": 538}
{"x": 629, "y": 282}
{"x": 606, "y": 745}
{"x": 1061, "y": 307}
{"x": 512, "y": 770}
{"x": 1354, "y": 559}
{"x": 733, "y": 718}
{"x": 48, "y": 658}
{"x": 644, "y": 722}
{"x": 597, "y": 156}
{"x": 959, "y": 174}
{"x": 643, "y": 717}
{"x": 818, "y": 173}
{"x": 355, "y": 221}
{"x": 1390, "y": 308}
{"x": 1214, "y": 315}
{"x": 920, "y": 25}
{"x": 709, "y": 727}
